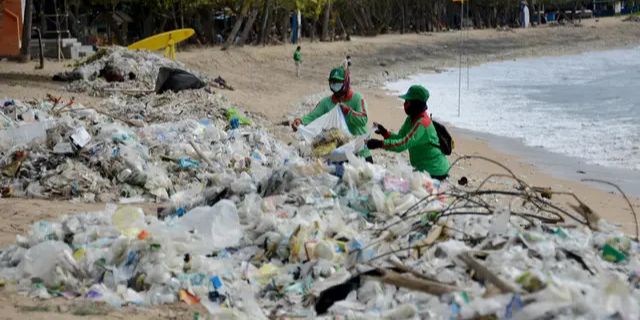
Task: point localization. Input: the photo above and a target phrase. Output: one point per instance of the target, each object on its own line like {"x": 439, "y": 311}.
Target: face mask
{"x": 335, "y": 86}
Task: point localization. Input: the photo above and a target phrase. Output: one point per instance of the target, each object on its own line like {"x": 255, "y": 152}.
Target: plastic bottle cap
{"x": 217, "y": 283}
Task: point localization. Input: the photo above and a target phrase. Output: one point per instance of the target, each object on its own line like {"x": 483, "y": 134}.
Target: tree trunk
{"x": 265, "y": 23}
{"x": 325, "y": 21}
{"x": 181, "y": 14}
{"x": 345, "y": 34}
{"x": 248, "y": 26}
{"x": 237, "y": 25}
{"x": 208, "y": 25}
{"x": 313, "y": 29}
{"x": 404, "y": 17}
{"x": 25, "y": 50}
{"x": 285, "y": 27}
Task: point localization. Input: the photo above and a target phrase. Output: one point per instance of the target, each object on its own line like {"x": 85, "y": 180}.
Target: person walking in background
{"x": 346, "y": 63}
{"x": 418, "y": 135}
{"x": 297, "y": 59}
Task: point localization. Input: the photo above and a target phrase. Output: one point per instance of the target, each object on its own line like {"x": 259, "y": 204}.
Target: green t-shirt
{"x": 357, "y": 118}
{"x": 419, "y": 136}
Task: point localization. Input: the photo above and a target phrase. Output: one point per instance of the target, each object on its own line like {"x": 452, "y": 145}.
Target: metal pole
{"x": 37, "y": 30}
{"x": 460, "y": 57}
{"x": 465, "y": 49}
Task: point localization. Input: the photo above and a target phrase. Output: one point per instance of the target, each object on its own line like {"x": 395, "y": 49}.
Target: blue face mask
{"x": 335, "y": 86}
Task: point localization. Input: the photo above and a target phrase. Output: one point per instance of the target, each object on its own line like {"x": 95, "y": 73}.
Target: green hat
{"x": 416, "y": 92}
{"x": 337, "y": 74}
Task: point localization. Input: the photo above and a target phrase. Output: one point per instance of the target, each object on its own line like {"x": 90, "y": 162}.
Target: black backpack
{"x": 446, "y": 143}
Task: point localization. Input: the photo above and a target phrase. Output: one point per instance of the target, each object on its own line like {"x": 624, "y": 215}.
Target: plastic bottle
{"x": 129, "y": 221}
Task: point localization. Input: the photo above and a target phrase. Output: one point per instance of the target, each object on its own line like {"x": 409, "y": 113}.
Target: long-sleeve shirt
{"x": 419, "y": 136}
{"x": 356, "y": 118}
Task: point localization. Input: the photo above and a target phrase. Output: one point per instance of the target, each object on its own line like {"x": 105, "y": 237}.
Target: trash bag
{"x": 219, "y": 226}
{"x": 331, "y": 119}
{"x": 176, "y": 80}
{"x": 42, "y": 260}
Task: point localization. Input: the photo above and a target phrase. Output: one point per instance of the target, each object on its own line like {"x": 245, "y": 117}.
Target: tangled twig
{"x": 633, "y": 212}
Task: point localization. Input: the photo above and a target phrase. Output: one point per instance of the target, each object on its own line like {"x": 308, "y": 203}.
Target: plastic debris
{"x": 254, "y": 228}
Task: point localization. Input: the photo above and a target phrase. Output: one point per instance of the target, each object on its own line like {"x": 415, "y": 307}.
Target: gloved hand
{"x": 296, "y": 123}
{"x": 345, "y": 109}
{"x": 381, "y": 130}
{"x": 375, "y": 144}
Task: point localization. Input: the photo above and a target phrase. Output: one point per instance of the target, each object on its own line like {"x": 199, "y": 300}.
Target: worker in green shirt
{"x": 417, "y": 134}
{"x": 351, "y": 104}
{"x": 297, "y": 59}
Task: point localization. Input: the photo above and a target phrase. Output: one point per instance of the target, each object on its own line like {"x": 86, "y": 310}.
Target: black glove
{"x": 381, "y": 130}
{"x": 374, "y": 144}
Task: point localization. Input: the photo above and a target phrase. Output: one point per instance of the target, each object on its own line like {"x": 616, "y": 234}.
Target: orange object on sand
{"x": 143, "y": 235}
{"x": 188, "y": 298}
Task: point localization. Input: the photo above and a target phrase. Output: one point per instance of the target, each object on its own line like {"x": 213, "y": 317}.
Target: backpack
{"x": 445, "y": 141}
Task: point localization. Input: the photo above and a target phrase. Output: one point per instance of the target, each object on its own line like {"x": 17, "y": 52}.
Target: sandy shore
{"x": 265, "y": 82}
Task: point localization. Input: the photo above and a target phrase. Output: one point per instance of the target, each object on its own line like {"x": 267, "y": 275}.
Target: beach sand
{"x": 265, "y": 82}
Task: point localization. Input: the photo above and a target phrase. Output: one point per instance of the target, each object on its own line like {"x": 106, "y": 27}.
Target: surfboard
{"x": 162, "y": 40}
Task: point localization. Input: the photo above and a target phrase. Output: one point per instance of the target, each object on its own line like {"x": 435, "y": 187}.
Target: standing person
{"x": 351, "y": 103}
{"x": 297, "y": 59}
{"x": 417, "y": 134}
{"x": 524, "y": 14}
{"x": 346, "y": 63}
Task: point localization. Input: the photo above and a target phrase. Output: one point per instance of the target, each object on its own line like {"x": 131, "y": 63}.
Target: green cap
{"x": 337, "y": 74}
{"x": 416, "y": 92}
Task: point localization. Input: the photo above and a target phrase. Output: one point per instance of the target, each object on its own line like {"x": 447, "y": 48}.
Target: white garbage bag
{"x": 331, "y": 119}
{"x": 219, "y": 226}
{"x": 47, "y": 261}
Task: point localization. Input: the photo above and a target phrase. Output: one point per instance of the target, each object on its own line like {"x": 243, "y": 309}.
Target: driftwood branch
{"x": 487, "y": 275}
{"x": 633, "y": 212}
{"x": 413, "y": 283}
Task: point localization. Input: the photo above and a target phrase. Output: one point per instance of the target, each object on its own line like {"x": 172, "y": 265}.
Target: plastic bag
{"x": 218, "y": 225}
{"x": 129, "y": 221}
{"x": 331, "y": 119}
{"x": 42, "y": 261}
{"x": 352, "y": 147}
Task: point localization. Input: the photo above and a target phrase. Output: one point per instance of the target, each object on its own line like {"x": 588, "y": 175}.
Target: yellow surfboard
{"x": 166, "y": 40}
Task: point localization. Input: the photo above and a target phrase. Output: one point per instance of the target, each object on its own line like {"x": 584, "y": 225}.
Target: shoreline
{"x": 555, "y": 163}
{"x": 560, "y": 165}
{"x": 603, "y": 200}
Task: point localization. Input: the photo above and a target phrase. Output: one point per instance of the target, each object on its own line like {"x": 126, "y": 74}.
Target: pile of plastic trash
{"x": 250, "y": 229}
{"x": 306, "y": 243}
{"x": 167, "y": 107}
{"x": 60, "y": 149}
{"x": 116, "y": 69}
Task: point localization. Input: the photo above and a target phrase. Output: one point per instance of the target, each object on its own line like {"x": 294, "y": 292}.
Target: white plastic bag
{"x": 42, "y": 260}
{"x": 331, "y": 119}
{"x": 218, "y": 225}
{"x": 352, "y": 147}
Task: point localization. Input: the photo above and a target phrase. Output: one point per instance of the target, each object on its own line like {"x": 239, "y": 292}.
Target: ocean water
{"x": 585, "y": 106}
